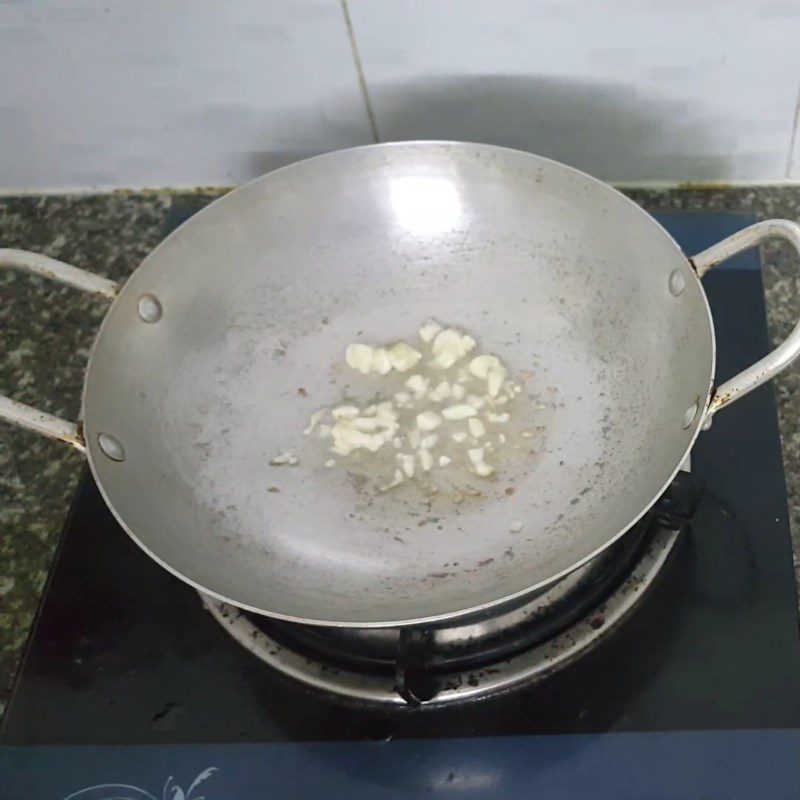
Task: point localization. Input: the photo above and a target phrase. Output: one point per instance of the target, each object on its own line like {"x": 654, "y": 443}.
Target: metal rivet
{"x": 691, "y": 413}
{"x": 111, "y": 446}
{"x": 677, "y": 282}
{"x": 150, "y": 309}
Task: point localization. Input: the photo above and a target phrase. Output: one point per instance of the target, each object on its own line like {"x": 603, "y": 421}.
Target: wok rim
{"x": 476, "y": 609}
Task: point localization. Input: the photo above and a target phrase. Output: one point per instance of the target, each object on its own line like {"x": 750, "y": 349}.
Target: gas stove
{"x": 484, "y": 656}
{"x": 669, "y": 667}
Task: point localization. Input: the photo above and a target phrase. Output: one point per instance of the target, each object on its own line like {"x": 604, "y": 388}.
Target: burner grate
{"x": 421, "y": 666}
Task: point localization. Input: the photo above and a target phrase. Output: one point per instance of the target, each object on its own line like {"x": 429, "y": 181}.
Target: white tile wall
{"x": 164, "y": 92}
{"x": 104, "y": 93}
{"x": 625, "y": 89}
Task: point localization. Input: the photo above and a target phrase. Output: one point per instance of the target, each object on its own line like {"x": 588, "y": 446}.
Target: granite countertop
{"x": 47, "y": 331}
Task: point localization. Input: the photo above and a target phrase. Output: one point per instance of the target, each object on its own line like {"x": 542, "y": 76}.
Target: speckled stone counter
{"x": 47, "y": 330}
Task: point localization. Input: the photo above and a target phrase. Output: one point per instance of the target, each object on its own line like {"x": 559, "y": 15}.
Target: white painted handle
{"x": 26, "y": 416}
{"x": 788, "y": 350}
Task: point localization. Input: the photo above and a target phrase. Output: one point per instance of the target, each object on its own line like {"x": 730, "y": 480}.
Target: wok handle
{"x": 26, "y": 416}
{"x": 789, "y": 349}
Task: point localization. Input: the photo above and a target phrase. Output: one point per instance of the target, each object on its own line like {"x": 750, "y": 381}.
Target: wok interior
{"x": 553, "y": 271}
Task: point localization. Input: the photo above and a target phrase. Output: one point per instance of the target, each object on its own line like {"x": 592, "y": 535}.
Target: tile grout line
{"x": 793, "y": 140}
{"x": 362, "y": 81}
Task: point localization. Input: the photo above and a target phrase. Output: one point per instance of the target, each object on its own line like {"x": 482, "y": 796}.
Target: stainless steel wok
{"x": 193, "y": 382}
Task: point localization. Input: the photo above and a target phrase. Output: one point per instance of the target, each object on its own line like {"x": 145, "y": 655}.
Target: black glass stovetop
{"x": 123, "y": 653}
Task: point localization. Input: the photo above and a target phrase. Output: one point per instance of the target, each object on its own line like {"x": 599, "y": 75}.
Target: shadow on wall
{"x": 605, "y": 129}
{"x": 295, "y": 133}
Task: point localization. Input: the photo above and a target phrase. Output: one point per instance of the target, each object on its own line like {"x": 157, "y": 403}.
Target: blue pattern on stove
{"x": 736, "y": 765}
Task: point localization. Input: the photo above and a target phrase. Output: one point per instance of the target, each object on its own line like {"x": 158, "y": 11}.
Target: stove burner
{"x": 414, "y": 685}
{"x": 441, "y": 664}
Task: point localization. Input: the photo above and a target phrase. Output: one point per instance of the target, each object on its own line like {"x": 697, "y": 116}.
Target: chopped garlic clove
{"x": 386, "y": 415}
{"x": 284, "y": 460}
{"x": 441, "y": 392}
{"x": 366, "y": 424}
{"x": 444, "y": 461}
{"x": 429, "y": 442}
{"x": 418, "y": 385}
{"x": 381, "y": 363}
{"x": 396, "y": 481}
{"x": 403, "y": 399}
{"x": 475, "y": 454}
{"x": 345, "y": 412}
{"x": 490, "y": 369}
{"x": 331, "y": 462}
{"x": 429, "y": 330}
{"x": 368, "y": 433}
{"x": 425, "y": 459}
{"x": 368, "y": 359}
{"x": 458, "y": 391}
{"x": 478, "y": 464}
{"x": 402, "y": 357}
{"x": 499, "y": 418}
{"x": 359, "y": 356}
{"x": 406, "y": 463}
{"x": 458, "y": 411}
{"x": 428, "y": 420}
{"x": 480, "y": 366}
{"x": 374, "y": 442}
{"x": 516, "y": 527}
{"x": 494, "y": 380}
{"x": 314, "y": 421}
{"x": 476, "y": 427}
{"x": 449, "y": 346}
{"x": 459, "y": 436}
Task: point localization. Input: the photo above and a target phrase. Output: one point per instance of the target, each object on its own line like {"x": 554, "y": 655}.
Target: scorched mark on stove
{"x": 169, "y": 717}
